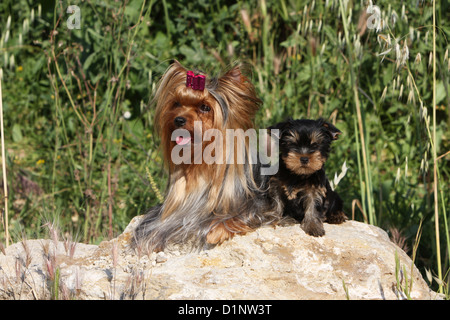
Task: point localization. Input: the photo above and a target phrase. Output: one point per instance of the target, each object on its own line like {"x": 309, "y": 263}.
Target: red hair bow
{"x": 196, "y": 82}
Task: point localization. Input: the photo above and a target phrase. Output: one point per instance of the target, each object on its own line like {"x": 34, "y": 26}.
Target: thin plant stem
{"x": 414, "y": 252}
{"x": 80, "y": 116}
{"x": 110, "y": 200}
{"x": 5, "y": 179}
{"x": 358, "y": 157}
{"x": 435, "y": 179}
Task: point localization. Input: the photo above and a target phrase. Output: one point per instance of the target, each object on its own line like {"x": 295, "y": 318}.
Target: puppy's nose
{"x": 304, "y": 160}
{"x": 180, "y": 121}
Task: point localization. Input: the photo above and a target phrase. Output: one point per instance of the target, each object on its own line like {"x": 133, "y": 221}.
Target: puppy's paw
{"x": 313, "y": 227}
{"x": 337, "y": 218}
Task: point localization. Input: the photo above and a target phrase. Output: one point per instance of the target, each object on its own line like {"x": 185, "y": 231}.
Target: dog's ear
{"x": 281, "y": 126}
{"x": 335, "y": 132}
{"x": 238, "y": 72}
{"x": 274, "y": 134}
{"x": 176, "y": 65}
{"x": 234, "y": 75}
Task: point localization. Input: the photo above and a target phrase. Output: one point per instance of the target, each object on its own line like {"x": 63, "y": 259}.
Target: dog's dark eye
{"x": 176, "y": 104}
{"x": 204, "y": 108}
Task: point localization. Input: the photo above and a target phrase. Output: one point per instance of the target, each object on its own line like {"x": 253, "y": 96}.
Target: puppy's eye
{"x": 205, "y": 108}
{"x": 176, "y": 104}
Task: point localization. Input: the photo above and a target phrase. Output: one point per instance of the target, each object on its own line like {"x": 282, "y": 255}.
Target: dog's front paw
{"x": 222, "y": 231}
{"x": 219, "y": 234}
{"x": 337, "y": 218}
{"x": 313, "y": 227}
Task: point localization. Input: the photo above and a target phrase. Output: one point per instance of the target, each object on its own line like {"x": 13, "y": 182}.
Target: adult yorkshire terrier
{"x": 301, "y": 181}
{"x": 206, "y": 202}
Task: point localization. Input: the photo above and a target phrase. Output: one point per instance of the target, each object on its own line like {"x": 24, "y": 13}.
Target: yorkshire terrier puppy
{"x": 301, "y": 182}
{"x": 210, "y": 195}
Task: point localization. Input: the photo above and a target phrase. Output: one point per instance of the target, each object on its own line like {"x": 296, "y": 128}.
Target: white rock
{"x": 270, "y": 263}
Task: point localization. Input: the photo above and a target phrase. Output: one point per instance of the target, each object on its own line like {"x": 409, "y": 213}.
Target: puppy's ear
{"x": 335, "y": 132}
{"x": 282, "y": 126}
{"x": 274, "y": 134}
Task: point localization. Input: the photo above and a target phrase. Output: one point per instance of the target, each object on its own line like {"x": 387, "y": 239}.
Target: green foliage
{"x": 72, "y": 155}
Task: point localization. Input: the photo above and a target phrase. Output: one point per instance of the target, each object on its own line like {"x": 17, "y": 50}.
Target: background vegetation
{"x": 78, "y": 123}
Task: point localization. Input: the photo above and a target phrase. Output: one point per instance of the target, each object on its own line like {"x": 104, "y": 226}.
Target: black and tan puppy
{"x": 301, "y": 182}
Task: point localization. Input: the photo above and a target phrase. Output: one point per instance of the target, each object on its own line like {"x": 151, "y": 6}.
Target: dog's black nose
{"x": 304, "y": 160}
{"x": 180, "y": 121}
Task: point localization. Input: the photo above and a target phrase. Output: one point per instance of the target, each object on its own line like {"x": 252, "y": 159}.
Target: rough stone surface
{"x": 353, "y": 260}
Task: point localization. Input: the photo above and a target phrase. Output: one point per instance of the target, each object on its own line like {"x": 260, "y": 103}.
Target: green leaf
{"x": 440, "y": 92}
{"x": 89, "y": 61}
{"x": 16, "y": 133}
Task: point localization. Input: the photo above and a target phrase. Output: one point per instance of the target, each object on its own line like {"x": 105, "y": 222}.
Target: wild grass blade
{"x": 365, "y": 160}
{"x": 5, "y": 178}
{"x": 435, "y": 163}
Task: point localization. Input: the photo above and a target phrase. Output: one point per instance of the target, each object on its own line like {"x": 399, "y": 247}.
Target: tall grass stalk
{"x": 5, "y": 179}
{"x": 435, "y": 169}
{"x": 436, "y": 173}
{"x": 365, "y": 162}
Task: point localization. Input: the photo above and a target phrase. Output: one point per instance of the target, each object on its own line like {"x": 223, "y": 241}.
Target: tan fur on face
{"x": 293, "y": 137}
{"x": 316, "y": 137}
{"x": 292, "y": 161}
